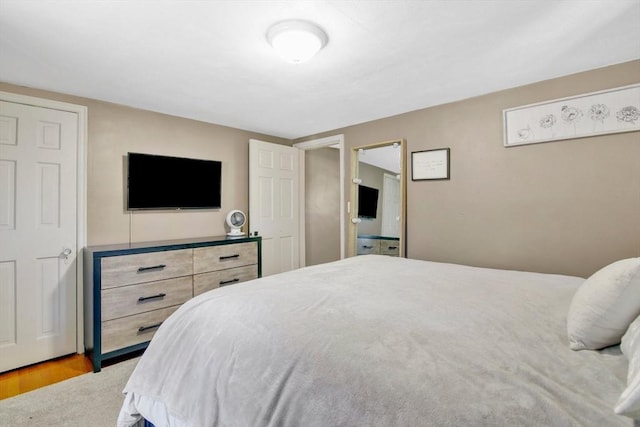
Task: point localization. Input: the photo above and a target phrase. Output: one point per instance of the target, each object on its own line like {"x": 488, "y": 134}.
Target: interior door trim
{"x": 81, "y": 192}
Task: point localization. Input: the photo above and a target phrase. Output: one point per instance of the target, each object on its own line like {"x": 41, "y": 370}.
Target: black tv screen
{"x": 162, "y": 182}
{"x": 367, "y": 202}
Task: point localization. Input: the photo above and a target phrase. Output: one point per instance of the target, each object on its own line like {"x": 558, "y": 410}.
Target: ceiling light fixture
{"x": 296, "y": 41}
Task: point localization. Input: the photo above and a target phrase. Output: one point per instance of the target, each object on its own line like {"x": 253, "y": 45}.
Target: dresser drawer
{"x": 207, "y": 281}
{"x": 139, "y": 268}
{"x": 134, "y": 299}
{"x": 368, "y": 246}
{"x": 224, "y": 256}
{"x": 131, "y": 330}
{"x": 390, "y": 247}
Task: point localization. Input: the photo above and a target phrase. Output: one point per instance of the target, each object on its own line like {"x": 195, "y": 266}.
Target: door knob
{"x": 356, "y": 220}
{"x": 66, "y": 252}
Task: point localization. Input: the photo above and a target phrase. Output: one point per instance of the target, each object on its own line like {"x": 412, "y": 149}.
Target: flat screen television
{"x": 163, "y": 182}
{"x": 367, "y": 202}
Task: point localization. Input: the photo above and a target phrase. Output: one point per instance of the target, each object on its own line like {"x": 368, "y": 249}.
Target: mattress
{"x": 377, "y": 341}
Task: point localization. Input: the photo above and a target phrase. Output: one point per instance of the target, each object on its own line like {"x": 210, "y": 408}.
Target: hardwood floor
{"x": 42, "y": 374}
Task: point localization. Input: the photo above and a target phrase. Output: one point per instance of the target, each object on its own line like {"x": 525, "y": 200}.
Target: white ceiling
{"x": 387, "y": 157}
{"x": 210, "y": 61}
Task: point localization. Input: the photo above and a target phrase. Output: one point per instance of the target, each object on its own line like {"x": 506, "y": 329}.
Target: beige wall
{"x": 567, "y": 207}
{"x": 114, "y": 130}
{"x": 322, "y": 205}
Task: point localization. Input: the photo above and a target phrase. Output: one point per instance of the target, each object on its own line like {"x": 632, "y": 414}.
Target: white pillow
{"x": 604, "y": 306}
{"x": 629, "y": 402}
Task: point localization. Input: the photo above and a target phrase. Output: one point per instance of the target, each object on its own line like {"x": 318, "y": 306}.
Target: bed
{"x": 377, "y": 341}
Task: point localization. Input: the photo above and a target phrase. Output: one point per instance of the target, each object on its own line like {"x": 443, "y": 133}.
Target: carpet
{"x": 86, "y": 400}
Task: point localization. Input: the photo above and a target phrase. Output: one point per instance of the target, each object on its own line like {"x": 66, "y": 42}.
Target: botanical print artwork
{"x": 628, "y": 114}
{"x": 612, "y": 111}
{"x": 598, "y": 113}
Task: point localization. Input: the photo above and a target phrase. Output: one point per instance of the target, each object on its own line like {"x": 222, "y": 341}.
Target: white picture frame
{"x": 597, "y": 113}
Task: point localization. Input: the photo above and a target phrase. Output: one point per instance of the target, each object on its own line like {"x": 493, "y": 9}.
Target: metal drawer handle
{"x": 228, "y": 282}
{"x": 160, "y": 295}
{"x": 393, "y": 247}
{"x": 367, "y": 247}
{"x": 147, "y": 328}
{"x": 153, "y": 267}
{"x": 222, "y": 258}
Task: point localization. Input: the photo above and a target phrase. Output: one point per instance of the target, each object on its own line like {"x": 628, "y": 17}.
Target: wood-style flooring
{"x": 42, "y": 374}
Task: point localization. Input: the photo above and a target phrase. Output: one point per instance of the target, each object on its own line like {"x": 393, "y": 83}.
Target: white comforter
{"x": 377, "y": 341}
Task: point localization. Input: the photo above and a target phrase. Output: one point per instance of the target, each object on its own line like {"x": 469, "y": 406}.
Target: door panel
{"x": 390, "y": 206}
{"x": 8, "y": 290}
{"x": 287, "y": 249}
{"x": 273, "y": 204}
{"x": 7, "y": 194}
{"x": 38, "y": 206}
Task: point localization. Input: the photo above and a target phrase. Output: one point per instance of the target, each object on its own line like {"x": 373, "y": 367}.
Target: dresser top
{"x": 168, "y": 245}
{"x": 369, "y": 236}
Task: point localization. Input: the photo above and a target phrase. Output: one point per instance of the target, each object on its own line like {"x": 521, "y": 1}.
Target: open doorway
{"x": 322, "y": 200}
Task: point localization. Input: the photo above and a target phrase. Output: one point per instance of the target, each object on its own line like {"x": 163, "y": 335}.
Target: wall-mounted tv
{"x": 163, "y": 182}
{"x": 367, "y": 202}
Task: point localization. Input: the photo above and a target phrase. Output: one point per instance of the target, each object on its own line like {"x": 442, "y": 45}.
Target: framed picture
{"x": 430, "y": 164}
{"x": 598, "y": 113}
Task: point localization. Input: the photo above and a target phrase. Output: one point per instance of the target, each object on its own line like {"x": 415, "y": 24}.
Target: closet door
{"x": 38, "y": 226}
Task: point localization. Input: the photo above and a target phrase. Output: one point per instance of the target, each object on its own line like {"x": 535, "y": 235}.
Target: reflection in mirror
{"x": 379, "y": 200}
{"x": 379, "y": 191}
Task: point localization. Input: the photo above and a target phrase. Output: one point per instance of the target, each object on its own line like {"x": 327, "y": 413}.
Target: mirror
{"x": 377, "y": 206}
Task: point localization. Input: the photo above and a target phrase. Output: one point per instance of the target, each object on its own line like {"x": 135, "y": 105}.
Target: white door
{"x": 38, "y": 167}
{"x": 273, "y": 204}
{"x": 390, "y": 206}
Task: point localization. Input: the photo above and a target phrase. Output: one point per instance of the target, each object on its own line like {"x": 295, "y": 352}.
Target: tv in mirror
{"x": 367, "y": 202}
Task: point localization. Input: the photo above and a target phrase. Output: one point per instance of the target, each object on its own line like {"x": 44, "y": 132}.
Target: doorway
{"x": 318, "y": 255}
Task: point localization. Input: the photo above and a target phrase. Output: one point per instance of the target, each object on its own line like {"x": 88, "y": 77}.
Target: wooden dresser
{"x": 131, "y": 289}
{"x": 378, "y": 245}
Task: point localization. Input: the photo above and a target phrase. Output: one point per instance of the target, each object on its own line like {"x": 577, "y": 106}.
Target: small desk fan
{"x": 236, "y": 219}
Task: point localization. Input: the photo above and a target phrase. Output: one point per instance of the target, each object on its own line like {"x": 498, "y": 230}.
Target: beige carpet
{"x": 87, "y": 400}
